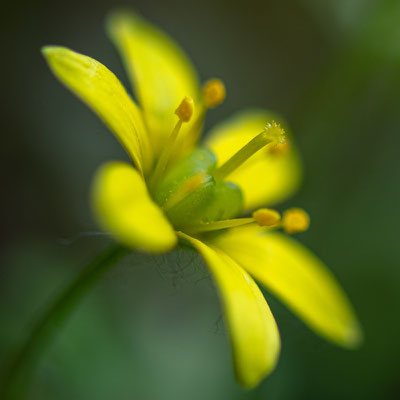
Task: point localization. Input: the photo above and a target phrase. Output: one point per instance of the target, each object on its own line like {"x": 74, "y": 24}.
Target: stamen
{"x": 184, "y": 113}
{"x": 261, "y": 217}
{"x": 218, "y": 225}
{"x": 266, "y": 217}
{"x": 213, "y": 93}
{"x": 273, "y": 133}
{"x": 192, "y": 136}
{"x": 295, "y": 220}
{"x": 193, "y": 183}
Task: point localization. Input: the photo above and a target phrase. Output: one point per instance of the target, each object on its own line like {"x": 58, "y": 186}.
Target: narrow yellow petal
{"x": 298, "y": 278}
{"x": 123, "y": 207}
{"x": 269, "y": 175}
{"x": 100, "y": 89}
{"x": 253, "y": 331}
{"x": 159, "y": 71}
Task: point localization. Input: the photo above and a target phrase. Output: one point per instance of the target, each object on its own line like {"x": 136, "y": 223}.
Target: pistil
{"x": 272, "y": 134}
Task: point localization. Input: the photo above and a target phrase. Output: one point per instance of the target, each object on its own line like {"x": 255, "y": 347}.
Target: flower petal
{"x": 100, "y": 89}
{"x": 124, "y": 207}
{"x": 265, "y": 178}
{"x": 298, "y": 277}
{"x": 158, "y": 69}
{"x": 253, "y": 331}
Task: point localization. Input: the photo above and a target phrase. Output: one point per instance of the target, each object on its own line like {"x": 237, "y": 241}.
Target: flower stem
{"x": 16, "y": 382}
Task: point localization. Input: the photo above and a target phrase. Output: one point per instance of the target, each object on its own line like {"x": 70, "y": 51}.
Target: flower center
{"x": 193, "y": 191}
{"x": 189, "y": 194}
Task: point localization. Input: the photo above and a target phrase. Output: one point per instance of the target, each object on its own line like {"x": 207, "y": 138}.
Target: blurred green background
{"x": 152, "y": 328}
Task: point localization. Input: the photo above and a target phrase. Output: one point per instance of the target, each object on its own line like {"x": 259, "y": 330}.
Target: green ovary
{"x": 203, "y": 201}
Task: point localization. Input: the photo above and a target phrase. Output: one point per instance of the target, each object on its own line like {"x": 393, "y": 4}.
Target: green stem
{"x": 17, "y": 380}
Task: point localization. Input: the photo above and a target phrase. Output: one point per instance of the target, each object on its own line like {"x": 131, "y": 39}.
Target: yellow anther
{"x": 185, "y": 109}
{"x": 213, "y": 93}
{"x": 295, "y": 220}
{"x": 266, "y": 217}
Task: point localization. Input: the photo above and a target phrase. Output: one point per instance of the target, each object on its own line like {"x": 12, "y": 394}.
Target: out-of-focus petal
{"x": 101, "y": 90}
{"x": 159, "y": 71}
{"x": 267, "y": 177}
{"x": 124, "y": 208}
{"x": 298, "y": 278}
{"x": 253, "y": 331}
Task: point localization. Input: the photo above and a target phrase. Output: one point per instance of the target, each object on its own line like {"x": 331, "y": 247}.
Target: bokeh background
{"x": 152, "y": 328}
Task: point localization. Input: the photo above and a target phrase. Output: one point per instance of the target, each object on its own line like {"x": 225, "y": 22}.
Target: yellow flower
{"x": 176, "y": 191}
